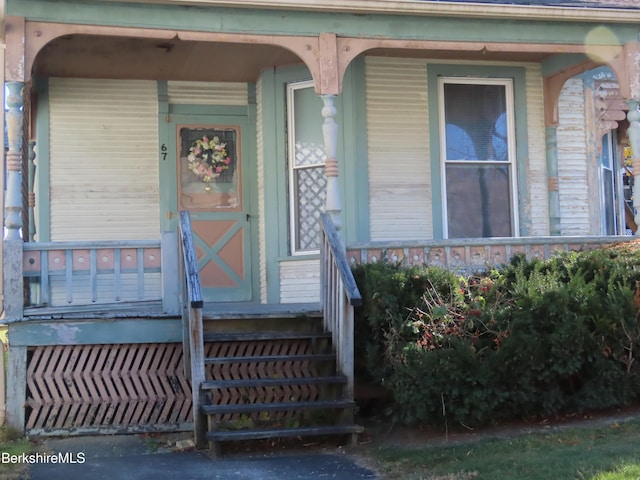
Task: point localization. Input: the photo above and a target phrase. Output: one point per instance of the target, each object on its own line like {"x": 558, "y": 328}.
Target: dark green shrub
{"x": 536, "y": 338}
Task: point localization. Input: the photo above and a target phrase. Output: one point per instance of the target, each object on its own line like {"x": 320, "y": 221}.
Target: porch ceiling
{"x": 479, "y": 55}
{"x": 93, "y": 56}
{"x": 141, "y": 58}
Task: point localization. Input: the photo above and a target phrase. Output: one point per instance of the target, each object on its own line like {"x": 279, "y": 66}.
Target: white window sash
{"x": 511, "y": 163}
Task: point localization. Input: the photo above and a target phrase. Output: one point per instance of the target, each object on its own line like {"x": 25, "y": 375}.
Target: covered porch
{"x": 112, "y": 284}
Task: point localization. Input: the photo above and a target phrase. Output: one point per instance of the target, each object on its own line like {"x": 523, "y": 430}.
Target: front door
{"x": 212, "y": 185}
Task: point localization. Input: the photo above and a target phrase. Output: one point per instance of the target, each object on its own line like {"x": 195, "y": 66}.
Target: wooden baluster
{"x": 31, "y": 192}
{"x": 140, "y": 263}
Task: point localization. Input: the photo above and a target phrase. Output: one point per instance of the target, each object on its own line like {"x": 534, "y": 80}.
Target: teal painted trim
{"x": 284, "y": 76}
{"x": 355, "y": 173}
{"x": 167, "y": 168}
{"x": 274, "y": 22}
{"x": 522, "y": 149}
{"x": 560, "y": 62}
{"x": 43, "y": 159}
{"x": 95, "y": 332}
{"x": 272, "y": 211}
{"x": 276, "y": 175}
{"x": 217, "y": 110}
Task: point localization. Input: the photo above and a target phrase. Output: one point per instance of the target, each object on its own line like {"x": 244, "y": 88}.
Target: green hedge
{"x": 535, "y": 338}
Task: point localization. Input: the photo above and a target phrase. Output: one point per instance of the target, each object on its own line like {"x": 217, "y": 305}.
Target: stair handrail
{"x": 193, "y": 344}
{"x": 338, "y": 297}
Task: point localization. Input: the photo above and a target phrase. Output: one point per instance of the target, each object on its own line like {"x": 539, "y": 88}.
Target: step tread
{"x": 218, "y": 435}
{"x": 267, "y": 382}
{"x": 271, "y": 358}
{"x": 253, "y": 336}
{"x": 276, "y": 406}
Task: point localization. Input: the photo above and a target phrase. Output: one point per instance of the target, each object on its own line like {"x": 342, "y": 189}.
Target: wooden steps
{"x": 218, "y": 436}
{"x": 279, "y": 406}
{"x": 268, "y": 382}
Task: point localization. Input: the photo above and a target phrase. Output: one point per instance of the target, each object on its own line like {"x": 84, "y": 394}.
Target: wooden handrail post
{"x": 339, "y": 296}
{"x": 193, "y": 303}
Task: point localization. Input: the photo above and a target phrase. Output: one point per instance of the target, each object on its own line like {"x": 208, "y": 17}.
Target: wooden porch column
{"x": 627, "y": 69}
{"x": 12, "y": 244}
{"x": 333, "y": 205}
{"x": 13, "y": 203}
{"x": 552, "y": 174}
{"x": 634, "y": 139}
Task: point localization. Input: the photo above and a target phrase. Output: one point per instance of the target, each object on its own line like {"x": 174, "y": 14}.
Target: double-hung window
{"x": 306, "y": 161}
{"x": 477, "y": 157}
{"x": 611, "y": 200}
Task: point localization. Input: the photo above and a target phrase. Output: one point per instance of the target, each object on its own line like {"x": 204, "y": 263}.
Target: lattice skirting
{"x": 142, "y": 387}
{"x": 114, "y": 387}
{"x": 273, "y": 369}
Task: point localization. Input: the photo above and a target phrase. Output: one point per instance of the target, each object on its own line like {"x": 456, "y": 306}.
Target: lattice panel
{"x": 138, "y": 385}
{"x": 252, "y": 370}
{"x": 311, "y": 190}
{"x": 120, "y": 386}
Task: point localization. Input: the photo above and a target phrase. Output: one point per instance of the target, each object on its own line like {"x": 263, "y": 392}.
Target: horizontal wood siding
{"x": 398, "y": 149}
{"x": 103, "y": 159}
{"x": 537, "y": 166}
{"x": 207, "y": 93}
{"x": 572, "y": 160}
{"x": 300, "y": 281}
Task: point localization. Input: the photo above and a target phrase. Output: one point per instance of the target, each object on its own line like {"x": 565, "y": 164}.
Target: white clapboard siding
{"x": 398, "y": 149}
{"x": 262, "y": 236}
{"x": 537, "y": 165}
{"x": 105, "y": 289}
{"x": 103, "y": 182}
{"x": 572, "y": 160}
{"x": 300, "y": 281}
{"x": 207, "y": 93}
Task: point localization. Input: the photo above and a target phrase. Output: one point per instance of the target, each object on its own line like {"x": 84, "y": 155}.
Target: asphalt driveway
{"x": 134, "y": 457}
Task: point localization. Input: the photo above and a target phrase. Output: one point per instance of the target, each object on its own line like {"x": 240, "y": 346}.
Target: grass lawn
{"x": 609, "y": 452}
{"x": 11, "y": 444}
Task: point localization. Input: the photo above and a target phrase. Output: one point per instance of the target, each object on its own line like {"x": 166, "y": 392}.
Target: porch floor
{"x": 213, "y": 311}
{"x": 153, "y": 309}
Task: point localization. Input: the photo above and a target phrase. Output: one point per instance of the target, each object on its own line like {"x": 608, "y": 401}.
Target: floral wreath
{"x": 207, "y": 159}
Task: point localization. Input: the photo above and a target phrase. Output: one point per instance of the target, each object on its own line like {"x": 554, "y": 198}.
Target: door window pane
{"x": 209, "y": 168}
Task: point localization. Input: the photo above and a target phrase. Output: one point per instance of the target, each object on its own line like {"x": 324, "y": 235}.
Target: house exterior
{"x": 450, "y": 133}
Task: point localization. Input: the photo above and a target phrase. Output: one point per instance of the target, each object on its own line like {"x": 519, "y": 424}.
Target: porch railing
{"x": 339, "y": 295}
{"x": 192, "y": 338}
{"x": 472, "y": 255}
{"x": 61, "y": 274}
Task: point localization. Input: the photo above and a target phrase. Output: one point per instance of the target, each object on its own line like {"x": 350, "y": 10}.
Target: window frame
{"x": 292, "y": 206}
{"x": 616, "y": 202}
{"x": 511, "y": 163}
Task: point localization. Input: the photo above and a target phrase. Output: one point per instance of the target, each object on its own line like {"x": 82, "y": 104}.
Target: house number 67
{"x": 163, "y": 150}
